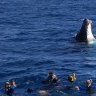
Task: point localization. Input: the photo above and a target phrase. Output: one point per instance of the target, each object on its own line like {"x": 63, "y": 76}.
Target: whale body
{"x": 85, "y": 33}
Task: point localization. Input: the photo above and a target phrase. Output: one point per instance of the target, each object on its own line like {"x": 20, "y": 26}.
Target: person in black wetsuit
{"x": 52, "y": 77}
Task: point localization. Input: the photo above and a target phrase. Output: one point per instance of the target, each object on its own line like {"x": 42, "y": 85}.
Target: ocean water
{"x": 37, "y": 36}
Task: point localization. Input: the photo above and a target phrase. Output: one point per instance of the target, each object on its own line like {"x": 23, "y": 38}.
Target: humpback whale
{"x": 85, "y": 33}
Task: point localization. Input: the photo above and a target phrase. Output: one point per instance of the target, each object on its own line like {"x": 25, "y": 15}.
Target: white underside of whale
{"x": 90, "y": 36}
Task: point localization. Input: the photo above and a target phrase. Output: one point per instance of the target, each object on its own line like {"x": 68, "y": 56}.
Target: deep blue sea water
{"x": 37, "y": 36}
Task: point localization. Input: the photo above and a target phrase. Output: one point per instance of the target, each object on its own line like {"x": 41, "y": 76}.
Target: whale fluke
{"x": 85, "y": 33}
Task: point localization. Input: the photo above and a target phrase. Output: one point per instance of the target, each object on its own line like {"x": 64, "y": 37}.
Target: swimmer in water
{"x": 8, "y": 90}
{"x": 88, "y": 85}
{"x": 52, "y": 77}
{"x": 72, "y": 78}
{"x": 13, "y": 83}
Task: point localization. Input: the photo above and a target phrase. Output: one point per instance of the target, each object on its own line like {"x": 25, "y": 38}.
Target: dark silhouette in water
{"x": 29, "y": 90}
{"x": 52, "y": 78}
{"x": 85, "y": 34}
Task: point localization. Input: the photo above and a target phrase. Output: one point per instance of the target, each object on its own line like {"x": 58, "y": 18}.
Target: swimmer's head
{"x": 72, "y": 77}
{"x": 50, "y": 73}
{"x": 88, "y": 83}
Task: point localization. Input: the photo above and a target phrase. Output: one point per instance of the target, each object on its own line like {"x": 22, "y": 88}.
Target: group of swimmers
{"x": 9, "y": 88}
{"x": 71, "y": 78}
{"x": 52, "y": 78}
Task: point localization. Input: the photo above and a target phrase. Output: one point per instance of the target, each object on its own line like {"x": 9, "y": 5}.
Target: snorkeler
{"x": 88, "y": 85}
{"x": 13, "y": 84}
{"x": 72, "y": 78}
{"x": 52, "y": 77}
{"x": 9, "y": 88}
